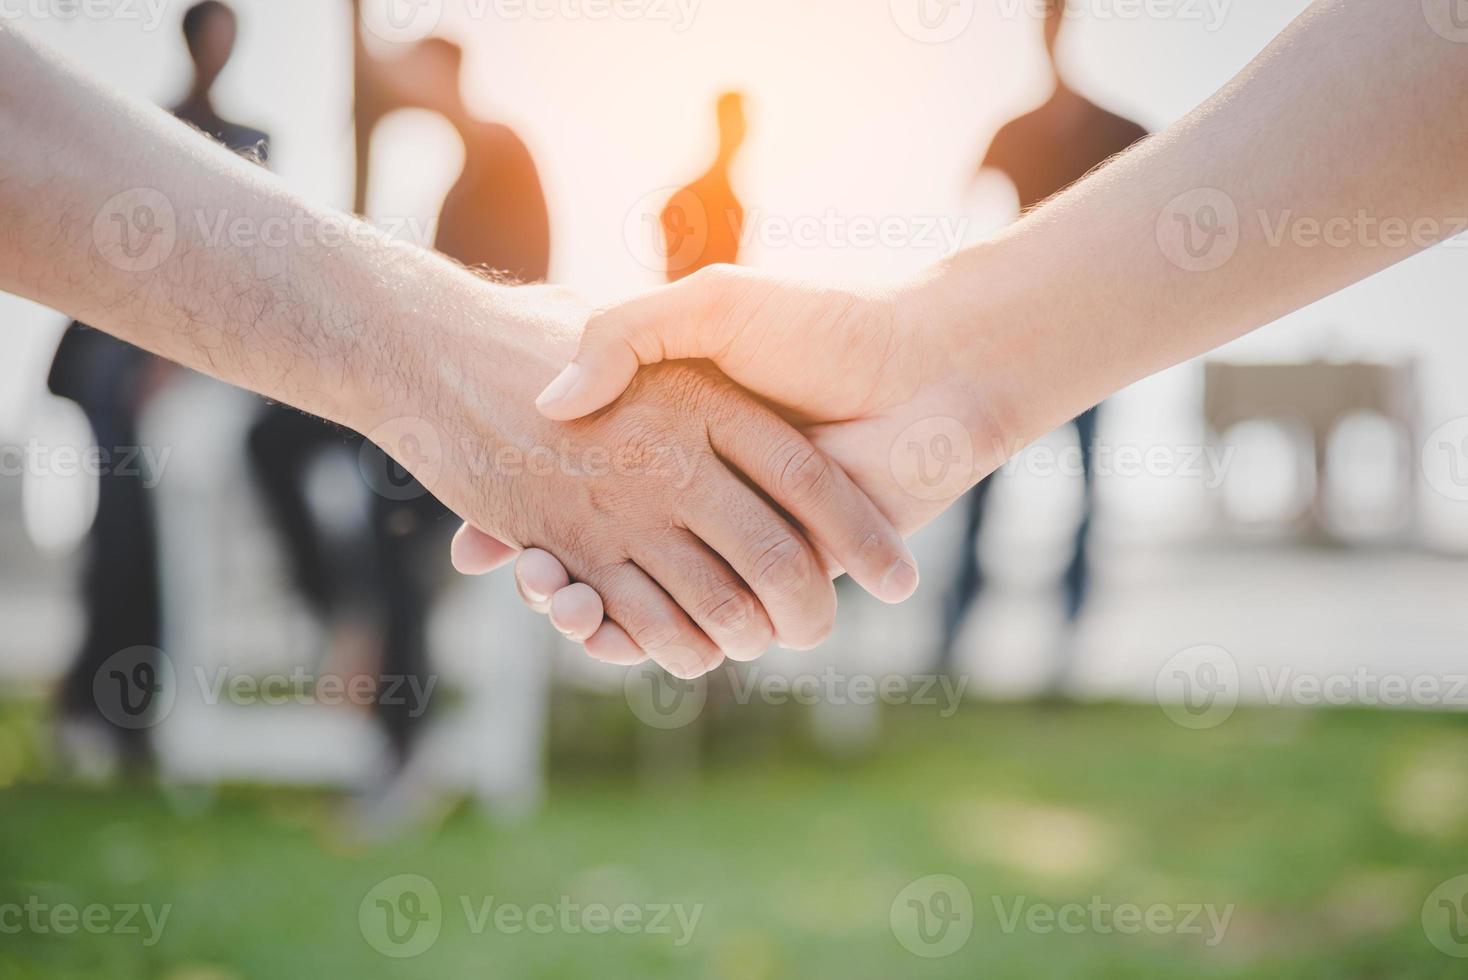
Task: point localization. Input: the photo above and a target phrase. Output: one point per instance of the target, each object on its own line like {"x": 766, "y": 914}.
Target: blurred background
{"x": 1181, "y": 693}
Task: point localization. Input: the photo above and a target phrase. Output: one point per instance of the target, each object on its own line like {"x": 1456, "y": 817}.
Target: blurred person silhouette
{"x": 495, "y": 216}
{"x": 104, "y": 712}
{"x": 703, "y": 223}
{"x": 493, "y": 219}
{"x": 1042, "y": 153}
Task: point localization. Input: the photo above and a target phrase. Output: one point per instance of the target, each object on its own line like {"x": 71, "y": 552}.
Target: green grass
{"x": 1323, "y": 831}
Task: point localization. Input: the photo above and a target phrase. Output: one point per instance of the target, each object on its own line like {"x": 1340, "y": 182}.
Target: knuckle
{"x": 655, "y": 631}
{"x": 711, "y": 278}
{"x": 802, "y": 473}
{"x": 877, "y": 547}
{"x": 604, "y": 499}
{"x": 726, "y": 609}
{"x": 641, "y": 440}
{"x": 605, "y": 321}
{"x": 781, "y": 567}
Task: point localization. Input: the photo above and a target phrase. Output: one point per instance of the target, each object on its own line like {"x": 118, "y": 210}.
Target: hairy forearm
{"x": 124, "y": 218}
{"x": 1338, "y": 152}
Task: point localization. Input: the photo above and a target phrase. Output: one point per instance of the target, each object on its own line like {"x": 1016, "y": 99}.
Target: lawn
{"x": 1314, "y": 838}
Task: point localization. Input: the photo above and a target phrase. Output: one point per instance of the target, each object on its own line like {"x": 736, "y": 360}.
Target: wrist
{"x": 1004, "y": 343}
{"x": 446, "y": 336}
{"x": 447, "y": 382}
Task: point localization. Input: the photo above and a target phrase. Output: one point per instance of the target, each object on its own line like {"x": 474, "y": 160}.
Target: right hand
{"x": 647, "y": 503}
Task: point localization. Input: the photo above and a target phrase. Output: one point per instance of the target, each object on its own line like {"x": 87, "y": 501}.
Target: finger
{"x": 769, "y": 554}
{"x": 653, "y": 621}
{"x": 474, "y": 553}
{"x": 538, "y": 576}
{"x": 669, "y": 323}
{"x": 576, "y": 611}
{"x": 612, "y": 645}
{"x": 709, "y": 591}
{"x": 821, "y": 498}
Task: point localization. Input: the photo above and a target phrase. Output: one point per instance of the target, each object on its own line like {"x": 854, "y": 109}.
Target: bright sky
{"x": 849, "y": 116}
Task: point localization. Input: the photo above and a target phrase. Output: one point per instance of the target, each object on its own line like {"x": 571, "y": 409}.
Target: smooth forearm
{"x": 1338, "y": 152}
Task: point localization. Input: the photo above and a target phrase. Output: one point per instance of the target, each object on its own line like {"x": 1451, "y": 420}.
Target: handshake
{"x": 689, "y": 512}
{"x": 816, "y": 426}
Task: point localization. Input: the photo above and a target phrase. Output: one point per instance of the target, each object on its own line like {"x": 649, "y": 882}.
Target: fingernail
{"x": 900, "y": 582}
{"x": 533, "y": 595}
{"x": 562, "y": 386}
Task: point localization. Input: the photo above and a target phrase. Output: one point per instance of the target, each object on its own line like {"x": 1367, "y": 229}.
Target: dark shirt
{"x": 495, "y": 215}
{"x": 240, "y": 139}
{"x": 702, "y": 225}
{"x": 1045, "y": 151}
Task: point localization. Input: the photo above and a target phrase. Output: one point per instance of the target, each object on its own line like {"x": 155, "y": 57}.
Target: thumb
{"x": 662, "y": 325}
